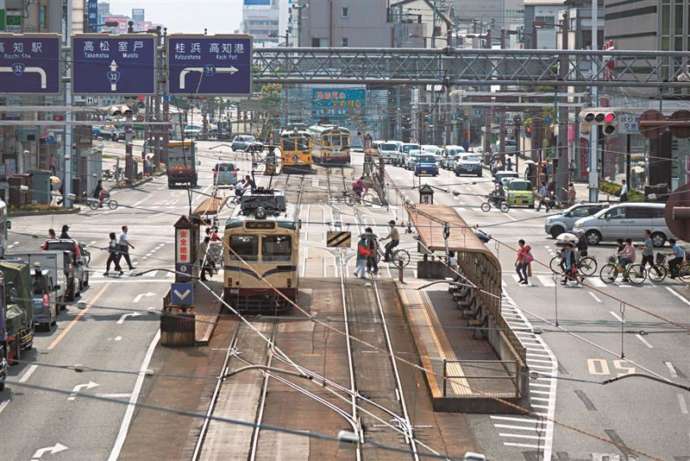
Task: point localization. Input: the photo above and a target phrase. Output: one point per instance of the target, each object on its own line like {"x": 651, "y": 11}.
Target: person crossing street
{"x": 123, "y": 241}
{"x": 113, "y": 255}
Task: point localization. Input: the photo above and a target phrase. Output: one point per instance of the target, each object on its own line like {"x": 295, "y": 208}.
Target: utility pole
{"x": 563, "y": 166}
{"x": 67, "y": 184}
{"x": 166, "y": 100}
{"x": 489, "y": 113}
{"x": 594, "y": 133}
{"x": 157, "y": 101}
{"x": 502, "y": 134}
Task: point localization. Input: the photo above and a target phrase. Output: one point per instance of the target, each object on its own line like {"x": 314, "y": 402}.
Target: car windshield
{"x": 427, "y": 159}
{"x": 410, "y": 147}
{"x": 520, "y": 185}
{"x": 225, "y": 167}
{"x": 388, "y": 147}
{"x": 471, "y": 158}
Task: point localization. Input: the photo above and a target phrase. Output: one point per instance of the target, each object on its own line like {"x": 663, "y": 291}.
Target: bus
{"x": 330, "y": 144}
{"x": 295, "y": 151}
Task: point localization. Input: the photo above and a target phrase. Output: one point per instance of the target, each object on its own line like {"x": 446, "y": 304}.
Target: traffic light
{"x": 603, "y": 118}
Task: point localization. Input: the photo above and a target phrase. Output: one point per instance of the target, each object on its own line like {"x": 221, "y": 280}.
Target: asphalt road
{"x": 635, "y": 417}
{"x": 115, "y": 332}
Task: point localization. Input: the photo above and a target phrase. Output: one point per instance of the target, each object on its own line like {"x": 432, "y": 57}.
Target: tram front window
{"x": 294, "y": 144}
{"x": 276, "y": 248}
{"x": 246, "y": 247}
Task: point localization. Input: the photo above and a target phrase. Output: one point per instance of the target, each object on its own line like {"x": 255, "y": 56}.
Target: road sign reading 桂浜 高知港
{"x": 218, "y": 65}
{"x": 29, "y": 63}
{"x": 114, "y": 64}
{"x": 338, "y": 239}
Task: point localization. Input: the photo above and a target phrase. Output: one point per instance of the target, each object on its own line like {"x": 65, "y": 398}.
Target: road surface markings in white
{"x": 596, "y": 282}
{"x": 536, "y": 347}
{"x": 78, "y": 388}
{"x": 595, "y": 297}
{"x": 129, "y": 412}
{"x": 516, "y": 419}
{"x": 123, "y": 395}
{"x": 117, "y": 338}
{"x": 678, "y": 295}
{"x": 644, "y": 341}
{"x": 616, "y": 316}
{"x": 521, "y": 436}
{"x": 671, "y": 369}
{"x": 518, "y": 428}
{"x": 538, "y": 399}
{"x": 54, "y": 450}
{"x": 92, "y": 243}
{"x": 138, "y": 297}
{"x": 124, "y": 317}
{"x": 683, "y": 404}
{"x": 136, "y": 204}
{"x": 27, "y": 374}
{"x": 539, "y": 392}
{"x": 546, "y": 280}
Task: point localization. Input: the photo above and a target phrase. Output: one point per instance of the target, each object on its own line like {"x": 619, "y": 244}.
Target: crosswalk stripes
{"x": 546, "y": 280}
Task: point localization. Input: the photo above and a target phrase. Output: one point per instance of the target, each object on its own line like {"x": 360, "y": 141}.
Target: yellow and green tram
{"x": 295, "y": 151}
{"x": 330, "y": 144}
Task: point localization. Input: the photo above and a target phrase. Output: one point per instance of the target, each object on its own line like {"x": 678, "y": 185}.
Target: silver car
{"x": 564, "y": 222}
{"x": 627, "y": 220}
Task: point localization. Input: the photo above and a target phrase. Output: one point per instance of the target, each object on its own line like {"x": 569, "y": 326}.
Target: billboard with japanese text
{"x": 337, "y": 103}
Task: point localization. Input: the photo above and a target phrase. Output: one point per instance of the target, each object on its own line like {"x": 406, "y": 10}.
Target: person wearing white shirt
{"x": 123, "y": 241}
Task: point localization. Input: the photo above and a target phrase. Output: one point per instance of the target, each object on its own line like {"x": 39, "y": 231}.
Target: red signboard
{"x": 183, "y": 246}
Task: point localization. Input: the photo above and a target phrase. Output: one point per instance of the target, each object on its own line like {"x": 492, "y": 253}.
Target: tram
{"x": 261, "y": 253}
{"x": 295, "y": 151}
{"x": 330, "y": 144}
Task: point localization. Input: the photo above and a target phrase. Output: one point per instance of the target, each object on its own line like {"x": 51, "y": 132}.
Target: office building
{"x": 261, "y": 19}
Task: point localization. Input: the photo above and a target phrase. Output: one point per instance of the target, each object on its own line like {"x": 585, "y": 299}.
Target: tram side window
{"x": 246, "y": 246}
{"x": 276, "y": 248}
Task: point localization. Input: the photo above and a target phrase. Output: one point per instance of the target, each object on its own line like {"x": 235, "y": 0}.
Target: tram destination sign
{"x": 29, "y": 63}
{"x": 114, "y": 64}
{"x": 210, "y": 65}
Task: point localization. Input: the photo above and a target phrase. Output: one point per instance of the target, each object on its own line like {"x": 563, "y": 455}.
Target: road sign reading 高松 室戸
{"x": 114, "y": 64}
{"x": 210, "y": 65}
{"x": 29, "y": 63}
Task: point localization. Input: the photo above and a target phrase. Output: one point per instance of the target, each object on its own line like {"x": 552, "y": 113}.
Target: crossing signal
{"x": 605, "y": 119}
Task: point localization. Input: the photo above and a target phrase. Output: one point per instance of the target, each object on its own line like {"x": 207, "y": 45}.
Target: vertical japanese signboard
{"x": 106, "y": 64}
{"x": 219, "y": 65}
{"x": 29, "y": 63}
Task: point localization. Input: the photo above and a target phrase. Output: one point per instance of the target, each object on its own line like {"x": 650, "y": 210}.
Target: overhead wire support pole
{"x": 67, "y": 141}
{"x": 594, "y": 133}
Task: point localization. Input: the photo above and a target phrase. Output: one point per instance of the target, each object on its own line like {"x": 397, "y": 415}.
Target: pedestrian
{"x": 543, "y": 194}
{"x": 358, "y": 188}
{"x": 51, "y": 236}
{"x": 394, "y": 237}
{"x": 523, "y": 259}
{"x": 647, "y": 251}
{"x": 581, "y": 245}
{"x": 113, "y": 255}
{"x": 572, "y": 194}
{"x": 624, "y": 191}
{"x": 64, "y": 232}
{"x": 568, "y": 263}
{"x": 362, "y": 254}
{"x": 205, "y": 259}
{"x": 249, "y": 182}
{"x": 678, "y": 257}
{"x": 372, "y": 243}
{"x": 123, "y": 240}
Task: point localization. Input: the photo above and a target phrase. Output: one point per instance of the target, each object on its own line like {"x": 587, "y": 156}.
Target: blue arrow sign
{"x": 114, "y": 64}
{"x": 182, "y": 294}
{"x": 29, "y": 63}
{"x": 210, "y": 65}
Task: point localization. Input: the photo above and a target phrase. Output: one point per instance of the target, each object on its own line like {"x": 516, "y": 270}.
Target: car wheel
{"x": 658, "y": 239}
{"x": 556, "y": 231}
{"x": 593, "y": 237}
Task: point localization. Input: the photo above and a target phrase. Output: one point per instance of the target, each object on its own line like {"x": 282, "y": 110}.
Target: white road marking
{"x": 644, "y": 341}
{"x": 596, "y": 298}
{"x": 136, "y": 204}
{"x": 79, "y": 387}
{"x": 126, "y": 316}
{"x": 27, "y": 374}
{"x": 516, "y": 419}
{"x": 683, "y": 404}
{"x": 546, "y": 280}
{"x": 538, "y": 399}
{"x": 678, "y": 295}
{"x": 518, "y": 428}
{"x": 523, "y": 445}
{"x": 596, "y": 282}
{"x": 129, "y": 412}
{"x": 124, "y": 395}
{"x": 521, "y": 436}
{"x": 117, "y": 338}
{"x": 671, "y": 369}
{"x": 138, "y": 297}
{"x": 616, "y": 316}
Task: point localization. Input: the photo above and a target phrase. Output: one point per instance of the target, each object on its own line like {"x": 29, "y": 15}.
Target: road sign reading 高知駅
{"x": 210, "y": 65}
{"x": 109, "y": 64}
{"x": 338, "y": 239}
{"x": 29, "y": 63}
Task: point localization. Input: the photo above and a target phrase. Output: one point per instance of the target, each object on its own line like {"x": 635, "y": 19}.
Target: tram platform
{"x": 463, "y": 374}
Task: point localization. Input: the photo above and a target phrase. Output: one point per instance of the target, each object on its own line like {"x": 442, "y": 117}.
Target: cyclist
{"x": 678, "y": 257}
{"x": 581, "y": 244}
{"x": 358, "y": 188}
{"x": 498, "y": 195}
{"x": 568, "y": 263}
{"x": 647, "y": 251}
{"x": 627, "y": 256}
{"x": 394, "y": 237}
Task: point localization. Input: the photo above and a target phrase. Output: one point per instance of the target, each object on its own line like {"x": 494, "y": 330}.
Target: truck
{"x": 19, "y": 324}
{"x": 181, "y": 166}
{"x": 76, "y": 265}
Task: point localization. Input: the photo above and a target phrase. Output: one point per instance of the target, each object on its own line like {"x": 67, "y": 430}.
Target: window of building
{"x": 345, "y": 12}
{"x": 345, "y": 41}
{"x": 315, "y": 42}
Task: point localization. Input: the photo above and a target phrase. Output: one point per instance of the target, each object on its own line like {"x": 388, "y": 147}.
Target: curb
{"x": 57, "y": 211}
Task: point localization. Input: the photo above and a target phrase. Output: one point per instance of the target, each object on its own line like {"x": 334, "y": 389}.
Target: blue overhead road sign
{"x": 29, "y": 63}
{"x": 210, "y": 65}
{"x": 114, "y": 64}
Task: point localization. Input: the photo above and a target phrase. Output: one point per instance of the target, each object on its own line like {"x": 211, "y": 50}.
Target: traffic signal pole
{"x": 594, "y": 133}
{"x": 562, "y": 169}
{"x": 67, "y": 141}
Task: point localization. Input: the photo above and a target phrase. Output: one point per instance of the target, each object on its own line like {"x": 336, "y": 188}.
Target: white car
{"x": 411, "y": 159}
{"x": 450, "y": 155}
{"x": 389, "y": 151}
{"x": 468, "y": 163}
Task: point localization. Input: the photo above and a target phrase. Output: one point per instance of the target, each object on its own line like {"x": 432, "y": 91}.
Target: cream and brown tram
{"x": 261, "y": 254}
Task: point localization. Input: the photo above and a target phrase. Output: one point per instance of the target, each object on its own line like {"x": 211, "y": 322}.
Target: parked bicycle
{"x": 660, "y": 270}
{"x": 586, "y": 265}
{"x": 633, "y": 273}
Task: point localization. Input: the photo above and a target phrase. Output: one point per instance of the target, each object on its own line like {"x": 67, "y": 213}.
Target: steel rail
{"x": 262, "y": 402}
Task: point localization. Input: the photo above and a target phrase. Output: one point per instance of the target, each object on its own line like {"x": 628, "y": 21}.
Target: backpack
{"x": 362, "y": 250}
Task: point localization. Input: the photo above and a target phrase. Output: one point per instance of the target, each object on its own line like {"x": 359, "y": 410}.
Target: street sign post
{"x": 114, "y": 64}
{"x": 29, "y": 63}
{"x": 213, "y": 65}
{"x": 182, "y": 294}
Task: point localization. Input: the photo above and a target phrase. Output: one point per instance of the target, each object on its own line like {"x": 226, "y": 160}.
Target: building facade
{"x": 261, "y": 19}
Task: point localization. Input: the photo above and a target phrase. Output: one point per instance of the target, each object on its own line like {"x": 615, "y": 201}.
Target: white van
{"x": 626, "y": 220}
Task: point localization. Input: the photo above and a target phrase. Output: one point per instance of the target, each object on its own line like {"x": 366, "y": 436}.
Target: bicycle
{"x": 586, "y": 265}
{"x": 398, "y": 255}
{"x": 95, "y": 203}
{"x": 660, "y": 270}
{"x": 634, "y": 273}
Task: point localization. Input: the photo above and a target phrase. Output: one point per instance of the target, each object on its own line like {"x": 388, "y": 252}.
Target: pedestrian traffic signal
{"x": 607, "y": 120}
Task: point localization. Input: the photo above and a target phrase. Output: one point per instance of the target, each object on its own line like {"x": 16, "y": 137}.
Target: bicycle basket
{"x": 612, "y": 259}
{"x": 660, "y": 258}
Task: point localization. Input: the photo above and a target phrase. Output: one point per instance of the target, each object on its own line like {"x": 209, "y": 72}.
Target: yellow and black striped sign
{"x": 338, "y": 239}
